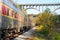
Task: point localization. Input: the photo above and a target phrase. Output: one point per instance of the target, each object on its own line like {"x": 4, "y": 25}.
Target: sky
{"x": 33, "y": 11}
{"x": 36, "y": 1}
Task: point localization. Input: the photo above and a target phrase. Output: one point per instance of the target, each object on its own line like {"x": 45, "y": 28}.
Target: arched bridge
{"x": 40, "y": 7}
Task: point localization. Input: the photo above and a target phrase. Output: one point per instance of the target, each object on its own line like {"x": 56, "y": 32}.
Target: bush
{"x": 57, "y": 37}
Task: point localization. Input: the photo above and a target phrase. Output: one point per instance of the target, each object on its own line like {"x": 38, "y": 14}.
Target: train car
{"x": 11, "y": 18}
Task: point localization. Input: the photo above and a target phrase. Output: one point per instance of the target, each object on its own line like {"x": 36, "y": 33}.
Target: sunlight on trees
{"x": 47, "y": 23}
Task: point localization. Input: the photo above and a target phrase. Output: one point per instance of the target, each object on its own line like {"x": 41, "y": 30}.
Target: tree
{"x": 49, "y": 21}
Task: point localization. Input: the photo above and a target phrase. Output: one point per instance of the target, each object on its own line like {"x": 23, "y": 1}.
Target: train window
{"x": 7, "y": 12}
{"x": 10, "y": 13}
{"x": 15, "y": 15}
{"x": 4, "y": 10}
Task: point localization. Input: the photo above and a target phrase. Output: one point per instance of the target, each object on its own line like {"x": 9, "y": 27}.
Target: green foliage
{"x": 57, "y": 37}
{"x": 50, "y": 22}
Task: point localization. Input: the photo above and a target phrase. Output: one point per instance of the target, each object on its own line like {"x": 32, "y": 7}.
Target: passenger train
{"x": 12, "y": 19}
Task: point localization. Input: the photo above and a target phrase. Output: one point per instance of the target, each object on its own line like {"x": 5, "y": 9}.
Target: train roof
{"x": 11, "y": 4}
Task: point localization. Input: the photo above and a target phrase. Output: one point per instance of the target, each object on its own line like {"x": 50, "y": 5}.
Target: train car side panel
{"x": 0, "y": 11}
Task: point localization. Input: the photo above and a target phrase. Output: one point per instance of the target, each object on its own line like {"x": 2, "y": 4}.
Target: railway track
{"x": 13, "y": 35}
